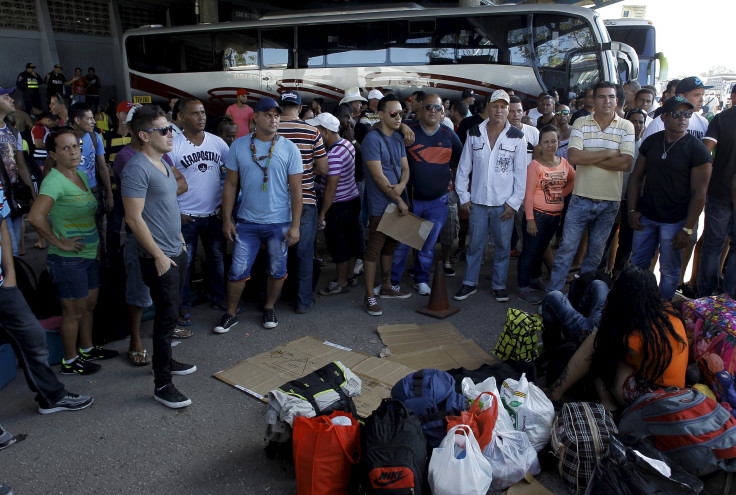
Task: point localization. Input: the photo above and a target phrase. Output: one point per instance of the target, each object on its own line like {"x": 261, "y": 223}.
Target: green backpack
{"x": 518, "y": 341}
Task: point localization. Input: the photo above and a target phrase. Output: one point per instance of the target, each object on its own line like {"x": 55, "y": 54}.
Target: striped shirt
{"x": 341, "y": 160}
{"x": 309, "y": 141}
{"x": 591, "y": 181}
{"x": 39, "y": 132}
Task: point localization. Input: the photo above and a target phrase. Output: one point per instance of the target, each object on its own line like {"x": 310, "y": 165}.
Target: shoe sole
{"x": 173, "y": 405}
{"x": 219, "y": 329}
{"x": 373, "y": 313}
{"x": 502, "y": 299}
{"x": 69, "y": 373}
{"x": 422, "y": 293}
{"x": 188, "y": 371}
{"x": 391, "y": 296}
{"x": 65, "y": 408}
{"x": 270, "y": 325}
{"x": 462, "y": 298}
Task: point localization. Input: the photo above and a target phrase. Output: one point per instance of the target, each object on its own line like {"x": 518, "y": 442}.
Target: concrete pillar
{"x": 208, "y": 11}
{"x": 49, "y": 53}
{"x": 120, "y": 91}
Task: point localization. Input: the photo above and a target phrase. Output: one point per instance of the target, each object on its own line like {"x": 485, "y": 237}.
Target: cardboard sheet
{"x": 407, "y": 229}
{"x": 439, "y": 346}
{"x": 528, "y": 486}
{"x": 264, "y": 372}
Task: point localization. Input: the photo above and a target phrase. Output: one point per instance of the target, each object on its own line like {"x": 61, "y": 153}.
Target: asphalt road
{"x": 128, "y": 443}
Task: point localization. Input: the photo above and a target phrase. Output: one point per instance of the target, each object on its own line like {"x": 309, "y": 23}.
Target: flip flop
{"x": 180, "y": 333}
{"x": 134, "y": 355}
{"x": 184, "y": 320}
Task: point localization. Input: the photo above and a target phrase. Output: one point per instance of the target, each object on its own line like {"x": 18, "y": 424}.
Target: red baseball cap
{"x": 124, "y": 106}
{"x": 242, "y": 91}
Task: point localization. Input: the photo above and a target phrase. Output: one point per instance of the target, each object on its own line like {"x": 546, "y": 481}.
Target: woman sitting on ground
{"x": 640, "y": 345}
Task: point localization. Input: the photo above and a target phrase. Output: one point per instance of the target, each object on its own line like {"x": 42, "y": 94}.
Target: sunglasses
{"x": 436, "y": 108}
{"x": 163, "y": 130}
{"x": 682, "y": 113}
{"x": 394, "y": 113}
{"x": 563, "y": 112}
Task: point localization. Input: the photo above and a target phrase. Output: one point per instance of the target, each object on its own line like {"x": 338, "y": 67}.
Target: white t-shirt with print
{"x": 200, "y": 166}
{"x": 697, "y": 127}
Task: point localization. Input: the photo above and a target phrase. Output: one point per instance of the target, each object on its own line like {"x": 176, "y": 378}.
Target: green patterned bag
{"x": 518, "y": 340}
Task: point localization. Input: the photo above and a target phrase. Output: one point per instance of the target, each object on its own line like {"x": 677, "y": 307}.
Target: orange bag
{"x": 324, "y": 453}
{"x": 480, "y": 422}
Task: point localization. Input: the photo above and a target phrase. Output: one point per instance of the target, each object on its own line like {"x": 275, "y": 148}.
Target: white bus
{"x": 641, "y": 35}
{"x": 528, "y": 48}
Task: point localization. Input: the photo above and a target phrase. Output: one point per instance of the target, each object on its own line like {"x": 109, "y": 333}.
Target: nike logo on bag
{"x": 398, "y": 477}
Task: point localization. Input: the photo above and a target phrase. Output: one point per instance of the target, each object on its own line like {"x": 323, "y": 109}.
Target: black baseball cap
{"x": 671, "y": 103}
{"x": 29, "y": 65}
{"x": 467, "y": 93}
{"x": 291, "y": 98}
{"x": 689, "y": 84}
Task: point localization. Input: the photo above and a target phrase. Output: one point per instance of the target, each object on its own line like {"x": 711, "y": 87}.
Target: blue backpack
{"x": 431, "y": 395}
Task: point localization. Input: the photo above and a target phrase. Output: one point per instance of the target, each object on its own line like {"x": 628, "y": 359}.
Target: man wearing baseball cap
{"x": 28, "y": 83}
{"x": 693, "y": 89}
{"x": 495, "y": 154}
{"x": 242, "y": 114}
{"x": 468, "y": 98}
{"x": 268, "y": 169}
{"x": 55, "y": 81}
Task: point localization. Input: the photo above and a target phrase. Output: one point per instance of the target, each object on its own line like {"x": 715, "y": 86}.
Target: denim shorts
{"x": 136, "y": 292}
{"x": 73, "y": 277}
{"x": 248, "y": 244}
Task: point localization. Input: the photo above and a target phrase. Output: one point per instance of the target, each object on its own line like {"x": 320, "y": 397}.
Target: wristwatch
{"x": 688, "y": 231}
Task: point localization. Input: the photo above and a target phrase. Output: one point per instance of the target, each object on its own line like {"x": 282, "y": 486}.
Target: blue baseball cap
{"x": 291, "y": 97}
{"x": 267, "y": 103}
{"x": 689, "y": 84}
{"x": 9, "y": 91}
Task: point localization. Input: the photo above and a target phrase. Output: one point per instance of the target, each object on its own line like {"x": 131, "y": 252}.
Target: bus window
{"x": 584, "y": 71}
{"x": 423, "y": 41}
{"x": 356, "y": 44}
{"x": 311, "y": 43}
{"x": 277, "y": 48}
{"x": 236, "y": 49}
{"x": 170, "y": 53}
{"x": 493, "y": 39}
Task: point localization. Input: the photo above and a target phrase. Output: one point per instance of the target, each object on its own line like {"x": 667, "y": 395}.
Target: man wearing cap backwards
{"x": 693, "y": 89}
{"x": 28, "y": 83}
{"x": 198, "y": 154}
{"x": 242, "y": 114}
{"x": 720, "y": 221}
{"x": 314, "y": 159}
{"x": 602, "y": 148}
{"x": 495, "y": 155}
{"x": 340, "y": 209}
{"x": 268, "y": 169}
{"x": 677, "y": 168}
{"x": 435, "y": 150}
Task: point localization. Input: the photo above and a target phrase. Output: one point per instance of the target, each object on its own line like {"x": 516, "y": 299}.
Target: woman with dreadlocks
{"x": 640, "y": 345}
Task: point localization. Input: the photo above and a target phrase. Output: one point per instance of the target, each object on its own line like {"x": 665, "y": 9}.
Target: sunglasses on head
{"x": 430, "y": 107}
{"x": 563, "y": 112}
{"x": 163, "y": 130}
{"x": 682, "y": 113}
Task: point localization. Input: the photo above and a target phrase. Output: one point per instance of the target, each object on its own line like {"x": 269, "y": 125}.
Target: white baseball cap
{"x": 326, "y": 120}
{"x": 375, "y": 94}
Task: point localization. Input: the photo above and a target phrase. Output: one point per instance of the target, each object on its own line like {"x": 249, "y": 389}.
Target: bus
{"x": 642, "y": 37}
{"x": 529, "y": 48}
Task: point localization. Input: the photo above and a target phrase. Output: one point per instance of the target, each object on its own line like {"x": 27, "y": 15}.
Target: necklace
{"x": 664, "y": 145}
{"x": 263, "y": 168}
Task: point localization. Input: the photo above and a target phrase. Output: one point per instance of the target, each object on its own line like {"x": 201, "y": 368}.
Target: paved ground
{"x": 126, "y": 442}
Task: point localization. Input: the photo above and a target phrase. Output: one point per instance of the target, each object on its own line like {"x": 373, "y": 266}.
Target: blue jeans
{"x": 436, "y": 212}
{"x": 305, "y": 256}
{"x": 529, "y": 266}
{"x": 114, "y": 224}
{"x": 482, "y": 219}
{"x": 583, "y": 214}
{"x": 15, "y": 225}
{"x": 720, "y": 222}
{"x": 574, "y": 323}
{"x": 21, "y": 329}
{"x": 72, "y": 276}
{"x": 210, "y": 230}
{"x": 659, "y": 235}
{"x": 248, "y": 244}
{"x": 166, "y": 295}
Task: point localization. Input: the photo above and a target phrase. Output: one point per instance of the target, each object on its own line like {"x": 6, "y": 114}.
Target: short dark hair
{"x": 620, "y": 95}
{"x": 91, "y": 69}
{"x": 634, "y": 111}
{"x": 54, "y": 136}
{"x": 421, "y": 95}
{"x": 645, "y": 90}
{"x": 672, "y": 85}
{"x": 143, "y": 119}
{"x": 461, "y": 107}
{"x": 184, "y": 102}
{"x": 547, "y": 97}
{"x": 514, "y": 99}
{"x": 225, "y": 122}
{"x": 382, "y": 102}
{"x": 549, "y": 128}
{"x": 589, "y": 88}
{"x": 78, "y": 110}
{"x": 605, "y": 85}
{"x": 173, "y": 97}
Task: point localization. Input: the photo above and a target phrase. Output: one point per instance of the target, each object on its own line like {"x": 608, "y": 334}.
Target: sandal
{"x": 139, "y": 358}
{"x": 185, "y": 320}
{"x": 180, "y": 333}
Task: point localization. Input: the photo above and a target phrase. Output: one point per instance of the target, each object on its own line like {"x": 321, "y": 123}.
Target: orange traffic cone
{"x": 439, "y": 306}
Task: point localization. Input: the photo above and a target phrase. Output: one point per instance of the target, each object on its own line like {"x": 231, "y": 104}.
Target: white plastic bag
{"x": 530, "y": 410}
{"x": 457, "y": 466}
{"x": 510, "y": 455}
{"x": 471, "y": 391}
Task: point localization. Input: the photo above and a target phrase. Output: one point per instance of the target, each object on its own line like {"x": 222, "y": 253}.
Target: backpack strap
{"x": 419, "y": 383}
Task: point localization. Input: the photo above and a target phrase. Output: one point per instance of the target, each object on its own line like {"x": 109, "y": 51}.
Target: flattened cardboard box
{"x": 408, "y": 229}
{"x": 439, "y": 346}
{"x": 264, "y": 372}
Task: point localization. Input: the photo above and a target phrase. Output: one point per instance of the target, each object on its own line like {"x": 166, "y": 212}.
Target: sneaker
{"x": 79, "y": 366}
{"x": 371, "y": 306}
{"x": 171, "y": 397}
{"x": 422, "y": 288}
{"x": 181, "y": 333}
{"x": 178, "y": 368}
{"x": 97, "y": 352}
{"x": 5, "y": 489}
{"x": 358, "y": 267}
{"x": 6, "y": 439}
{"x": 465, "y": 292}
{"x": 449, "y": 270}
{"x": 70, "y": 402}
{"x": 269, "y": 319}
{"x": 394, "y": 292}
{"x": 527, "y": 295}
{"x": 501, "y": 295}
{"x": 334, "y": 288}
{"x": 226, "y": 323}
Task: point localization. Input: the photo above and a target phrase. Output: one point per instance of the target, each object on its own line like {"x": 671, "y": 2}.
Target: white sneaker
{"x": 358, "y": 267}
{"x": 377, "y": 290}
{"x": 423, "y": 289}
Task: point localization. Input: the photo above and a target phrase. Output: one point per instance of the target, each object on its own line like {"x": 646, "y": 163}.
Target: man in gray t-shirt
{"x": 152, "y": 213}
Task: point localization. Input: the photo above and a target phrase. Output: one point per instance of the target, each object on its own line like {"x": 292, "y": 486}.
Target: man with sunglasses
{"x": 198, "y": 155}
{"x": 674, "y": 169}
{"x": 435, "y": 151}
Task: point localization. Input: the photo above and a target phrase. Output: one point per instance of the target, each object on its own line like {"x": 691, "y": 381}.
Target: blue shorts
{"x": 136, "y": 292}
{"x": 73, "y": 277}
{"x": 248, "y": 243}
